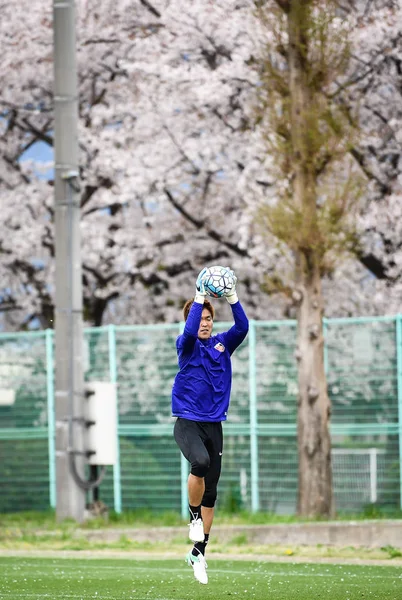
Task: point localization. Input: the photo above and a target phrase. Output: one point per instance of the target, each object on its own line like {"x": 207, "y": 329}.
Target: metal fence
{"x": 363, "y": 359}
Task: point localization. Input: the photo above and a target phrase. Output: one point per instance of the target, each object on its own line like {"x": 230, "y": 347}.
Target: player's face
{"x": 205, "y": 329}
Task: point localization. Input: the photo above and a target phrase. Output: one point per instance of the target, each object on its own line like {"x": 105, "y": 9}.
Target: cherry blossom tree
{"x": 376, "y": 86}
{"x": 172, "y": 162}
{"x": 148, "y": 85}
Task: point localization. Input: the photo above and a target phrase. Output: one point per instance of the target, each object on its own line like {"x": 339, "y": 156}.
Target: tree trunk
{"x": 314, "y": 444}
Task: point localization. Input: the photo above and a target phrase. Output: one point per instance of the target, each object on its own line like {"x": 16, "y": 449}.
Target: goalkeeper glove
{"x": 200, "y": 292}
{"x": 231, "y": 296}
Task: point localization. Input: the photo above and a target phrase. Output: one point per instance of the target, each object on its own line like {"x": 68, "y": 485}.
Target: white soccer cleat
{"x": 196, "y": 531}
{"x": 199, "y": 565}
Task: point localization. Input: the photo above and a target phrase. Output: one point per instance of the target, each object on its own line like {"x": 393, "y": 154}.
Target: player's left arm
{"x": 236, "y": 334}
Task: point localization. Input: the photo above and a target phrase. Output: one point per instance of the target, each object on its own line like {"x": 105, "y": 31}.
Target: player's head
{"x": 207, "y": 318}
{"x": 189, "y": 303}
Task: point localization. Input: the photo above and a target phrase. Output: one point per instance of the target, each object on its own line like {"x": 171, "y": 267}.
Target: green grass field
{"x": 126, "y": 579}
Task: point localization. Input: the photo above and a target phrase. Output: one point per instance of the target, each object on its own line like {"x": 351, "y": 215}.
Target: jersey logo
{"x": 219, "y": 347}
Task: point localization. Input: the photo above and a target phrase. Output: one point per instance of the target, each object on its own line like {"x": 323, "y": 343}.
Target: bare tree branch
{"x": 359, "y": 157}
{"x": 284, "y": 5}
{"x": 201, "y": 224}
{"x": 151, "y": 8}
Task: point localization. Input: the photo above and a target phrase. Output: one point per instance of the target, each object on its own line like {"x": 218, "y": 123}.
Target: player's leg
{"x": 190, "y": 437}
{"x": 207, "y": 517}
{"x": 214, "y": 446}
{"x": 196, "y": 489}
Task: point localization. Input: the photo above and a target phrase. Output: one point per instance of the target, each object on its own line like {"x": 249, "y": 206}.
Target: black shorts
{"x": 201, "y": 443}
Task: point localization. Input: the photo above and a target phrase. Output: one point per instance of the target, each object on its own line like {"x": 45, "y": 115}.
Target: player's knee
{"x": 200, "y": 467}
{"x": 209, "y": 498}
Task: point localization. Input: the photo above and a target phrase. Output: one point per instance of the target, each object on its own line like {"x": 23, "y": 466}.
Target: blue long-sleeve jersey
{"x": 201, "y": 389}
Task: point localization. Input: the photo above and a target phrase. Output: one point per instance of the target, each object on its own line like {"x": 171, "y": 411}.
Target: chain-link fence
{"x": 363, "y": 359}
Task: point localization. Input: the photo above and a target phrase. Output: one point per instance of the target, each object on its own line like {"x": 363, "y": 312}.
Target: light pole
{"x": 69, "y": 401}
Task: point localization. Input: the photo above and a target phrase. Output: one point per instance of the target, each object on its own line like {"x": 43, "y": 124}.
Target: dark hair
{"x": 189, "y": 303}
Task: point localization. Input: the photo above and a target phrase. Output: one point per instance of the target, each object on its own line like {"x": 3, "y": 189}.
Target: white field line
{"x": 179, "y": 555}
{"x": 82, "y": 570}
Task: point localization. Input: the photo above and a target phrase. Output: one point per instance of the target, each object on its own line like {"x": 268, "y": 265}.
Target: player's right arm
{"x": 186, "y": 341}
{"x": 190, "y": 333}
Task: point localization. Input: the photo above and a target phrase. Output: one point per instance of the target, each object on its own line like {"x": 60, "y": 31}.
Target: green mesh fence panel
{"x": 146, "y": 365}
{"x": 24, "y": 459}
{"x": 362, "y": 374}
{"x": 96, "y": 354}
{"x": 234, "y": 486}
{"x": 278, "y": 474}
{"x": 365, "y": 472}
{"x": 363, "y": 359}
{"x": 24, "y": 475}
{"x": 276, "y": 374}
{"x": 150, "y": 473}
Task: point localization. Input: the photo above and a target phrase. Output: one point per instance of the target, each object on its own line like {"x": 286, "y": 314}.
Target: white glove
{"x": 200, "y": 292}
{"x": 231, "y": 296}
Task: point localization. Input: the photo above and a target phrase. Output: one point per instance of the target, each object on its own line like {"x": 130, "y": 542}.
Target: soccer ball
{"x": 218, "y": 281}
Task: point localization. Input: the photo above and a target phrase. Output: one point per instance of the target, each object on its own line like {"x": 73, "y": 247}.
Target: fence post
{"x": 255, "y": 500}
{"x": 183, "y": 468}
{"x": 373, "y": 475}
{"x": 325, "y": 351}
{"x": 183, "y": 486}
{"x": 113, "y": 379}
{"x": 399, "y": 388}
{"x": 50, "y": 416}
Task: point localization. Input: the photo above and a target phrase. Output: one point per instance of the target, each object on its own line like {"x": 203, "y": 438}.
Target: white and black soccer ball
{"x": 218, "y": 281}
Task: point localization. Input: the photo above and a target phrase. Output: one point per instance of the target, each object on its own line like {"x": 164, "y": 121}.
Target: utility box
{"x": 7, "y": 397}
{"x": 101, "y": 415}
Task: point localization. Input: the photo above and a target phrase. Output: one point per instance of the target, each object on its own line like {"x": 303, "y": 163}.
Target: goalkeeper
{"x": 200, "y": 401}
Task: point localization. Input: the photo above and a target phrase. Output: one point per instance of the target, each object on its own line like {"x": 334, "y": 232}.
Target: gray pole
{"x": 70, "y": 461}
